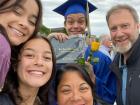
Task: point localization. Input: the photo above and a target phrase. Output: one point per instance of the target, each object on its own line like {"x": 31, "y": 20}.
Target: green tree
{"x": 46, "y": 31}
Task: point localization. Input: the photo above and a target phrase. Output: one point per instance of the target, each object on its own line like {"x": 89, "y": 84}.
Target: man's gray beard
{"x": 123, "y": 49}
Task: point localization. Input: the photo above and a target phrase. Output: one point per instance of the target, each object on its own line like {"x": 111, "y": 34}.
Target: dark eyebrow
{"x": 65, "y": 85}
{"x": 48, "y": 52}
{"x": 19, "y": 5}
{"x": 28, "y": 49}
{"x": 82, "y": 17}
{"x": 84, "y": 84}
{"x": 35, "y": 17}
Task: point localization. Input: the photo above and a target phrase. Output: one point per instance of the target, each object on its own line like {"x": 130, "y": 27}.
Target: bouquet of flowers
{"x": 94, "y": 47}
{"x": 88, "y": 67}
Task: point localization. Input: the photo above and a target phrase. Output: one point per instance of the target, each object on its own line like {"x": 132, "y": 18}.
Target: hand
{"x": 90, "y": 72}
{"x": 58, "y": 36}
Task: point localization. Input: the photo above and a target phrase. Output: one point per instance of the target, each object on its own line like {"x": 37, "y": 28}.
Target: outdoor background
{"x": 97, "y": 17}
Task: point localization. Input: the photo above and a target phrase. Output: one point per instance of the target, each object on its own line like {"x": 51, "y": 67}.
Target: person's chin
{"x": 123, "y": 49}
{"x": 75, "y": 33}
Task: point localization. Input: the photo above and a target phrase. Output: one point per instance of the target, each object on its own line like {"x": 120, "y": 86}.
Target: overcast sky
{"x": 97, "y": 17}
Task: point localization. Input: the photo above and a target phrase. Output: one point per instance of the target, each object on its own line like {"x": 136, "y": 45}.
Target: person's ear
{"x": 138, "y": 25}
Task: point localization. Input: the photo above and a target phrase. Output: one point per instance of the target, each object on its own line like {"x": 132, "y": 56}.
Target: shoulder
{"x": 3, "y": 39}
{"x": 5, "y": 46}
{"x": 5, "y": 99}
{"x": 100, "y": 54}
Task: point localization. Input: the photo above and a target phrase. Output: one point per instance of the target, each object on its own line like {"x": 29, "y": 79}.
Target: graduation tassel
{"x": 88, "y": 20}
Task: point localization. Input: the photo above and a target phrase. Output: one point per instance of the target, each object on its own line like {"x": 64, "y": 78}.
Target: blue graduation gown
{"x": 105, "y": 78}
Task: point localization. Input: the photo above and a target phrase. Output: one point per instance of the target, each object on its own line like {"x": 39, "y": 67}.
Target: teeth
{"x": 39, "y": 73}
{"x": 18, "y": 32}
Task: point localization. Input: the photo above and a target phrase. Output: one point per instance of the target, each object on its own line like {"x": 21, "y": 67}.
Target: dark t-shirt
{"x": 5, "y": 99}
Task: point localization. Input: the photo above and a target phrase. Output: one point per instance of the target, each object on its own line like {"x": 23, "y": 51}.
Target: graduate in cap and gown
{"x": 75, "y": 15}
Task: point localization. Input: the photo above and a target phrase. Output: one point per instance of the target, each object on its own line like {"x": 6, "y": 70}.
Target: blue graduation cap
{"x": 74, "y": 6}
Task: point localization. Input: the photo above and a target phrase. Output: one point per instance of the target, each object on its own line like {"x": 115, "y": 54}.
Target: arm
{"x": 90, "y": 72}
{"x": 5, "y": 55}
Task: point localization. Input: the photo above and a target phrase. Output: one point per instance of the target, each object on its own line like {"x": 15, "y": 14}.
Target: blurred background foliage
{"x": 46, "y": 31}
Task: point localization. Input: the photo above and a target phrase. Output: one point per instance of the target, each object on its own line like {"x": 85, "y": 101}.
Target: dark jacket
{"x": 133, "y": 76}
{"x": 5, "y": 99}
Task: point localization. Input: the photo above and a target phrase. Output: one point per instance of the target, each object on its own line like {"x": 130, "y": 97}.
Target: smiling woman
{"x": 30, "y": 77}
{"x": 73, "y": 86}
{"x": 19, "y": 21}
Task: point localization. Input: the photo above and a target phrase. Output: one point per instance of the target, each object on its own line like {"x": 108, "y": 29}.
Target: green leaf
{"x": 80, "y": 61}
{"x": 95, "y": 60}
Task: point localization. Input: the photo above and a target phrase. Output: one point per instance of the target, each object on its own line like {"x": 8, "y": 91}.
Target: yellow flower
{"x": 95, "y": 46}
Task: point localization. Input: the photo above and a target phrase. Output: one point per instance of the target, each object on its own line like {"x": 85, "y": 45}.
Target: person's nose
{"x": 24, "y": 23}
{"x": 76, "y": 95}
{"x": 38, "y": 61}
{"x": 75, "y": 25}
